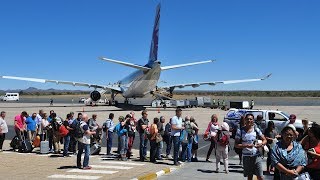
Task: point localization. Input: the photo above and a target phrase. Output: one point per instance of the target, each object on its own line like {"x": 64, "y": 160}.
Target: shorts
{"x": 195, "y": 146}
{"x": 252, "y": 165}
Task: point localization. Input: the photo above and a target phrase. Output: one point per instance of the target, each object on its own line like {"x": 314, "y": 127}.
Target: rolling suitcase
{"x": 26, "y": 146}
{"x": 44, "y": 145}
{"x": 95, "y": 149}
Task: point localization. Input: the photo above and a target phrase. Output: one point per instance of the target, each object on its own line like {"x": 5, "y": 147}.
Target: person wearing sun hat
{"x": 288, "y": 155}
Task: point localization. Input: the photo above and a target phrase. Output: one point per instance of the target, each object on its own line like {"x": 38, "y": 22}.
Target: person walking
{"x": 3, "y": 128}
{"x": 84, "y": 143}
{"x": 212, "y": 131}
{"x": 247, "y": 139}
{"x": 222, "y": 147}
{"x": 176, "y": 127}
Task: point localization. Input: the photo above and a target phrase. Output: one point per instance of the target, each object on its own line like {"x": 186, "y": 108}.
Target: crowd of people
{"x": 287, "y": 156}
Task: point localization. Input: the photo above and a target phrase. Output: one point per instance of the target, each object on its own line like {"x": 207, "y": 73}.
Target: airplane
{"x": 144, "y": 80}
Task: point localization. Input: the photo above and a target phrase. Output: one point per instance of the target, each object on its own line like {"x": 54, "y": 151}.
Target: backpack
{"x": 223, "y": 138}
{"x": 188, "y": 128}
{"x": 55, "y": 125}
{"x": 78, "y": 133}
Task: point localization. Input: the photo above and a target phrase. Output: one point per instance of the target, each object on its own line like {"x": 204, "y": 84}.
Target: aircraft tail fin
{"x": 153, "y": 56}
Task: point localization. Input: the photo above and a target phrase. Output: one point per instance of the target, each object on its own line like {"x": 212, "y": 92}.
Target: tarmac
{"x": 35, "y": 166}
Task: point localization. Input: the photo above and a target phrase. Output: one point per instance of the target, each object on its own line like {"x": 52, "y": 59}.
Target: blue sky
{"x": 62, "y": 40}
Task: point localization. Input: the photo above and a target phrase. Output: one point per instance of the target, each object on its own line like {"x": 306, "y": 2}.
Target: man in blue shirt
{"x": 176, "y": 128}
{"x": 108, "y": 127}
{"x": 31, "y": 126}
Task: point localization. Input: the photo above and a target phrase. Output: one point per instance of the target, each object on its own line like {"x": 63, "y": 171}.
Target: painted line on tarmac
{"x": 91, "y": 171}
{"x": 108, "y": 158}
{"x": 204, "y": 146}
{"x": 156, "y": 174}
{"x": 111, "y": 167}
{"x": 61, "y": 176}
{"x": 122, "y": 163}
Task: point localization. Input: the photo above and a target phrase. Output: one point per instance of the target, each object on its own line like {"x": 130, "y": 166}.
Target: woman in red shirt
{"x": 313, "y": 166}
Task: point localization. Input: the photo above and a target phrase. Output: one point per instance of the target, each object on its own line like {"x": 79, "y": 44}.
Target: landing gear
{"x": 113, "y": 102}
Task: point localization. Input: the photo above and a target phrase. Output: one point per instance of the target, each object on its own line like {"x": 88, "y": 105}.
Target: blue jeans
{"x": 186, "y": 150}
{"x": 176, "y": 146}
{"x": 66, "y": 145}
{"x": 159, "y": 149}
{"x": 123, "y": 145}
{"x": 143, "y": 146}
{"x": 86, "y": 148}
{"x": 109, "y": 142}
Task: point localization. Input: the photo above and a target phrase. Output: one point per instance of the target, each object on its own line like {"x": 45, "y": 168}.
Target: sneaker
{"x": 177, "y": 164}
{"x": 1, "y": 150}
{"x": 217, "y": 170}
{"x": 227, "y": 172}
{"x": 87, "y": 168}
{"x": 66, "y": 156}
{"x": 207, "y": 160}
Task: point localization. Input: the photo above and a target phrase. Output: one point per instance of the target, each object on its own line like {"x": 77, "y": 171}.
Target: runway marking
{"x": 108, "y": 158}
{"x": 61, "y": 176}
{"x": 7, "y": 152}
{"x": 204, "y": 146}
{"x": 122, "y": 163}
{"x": 91, "y": 171}
{"x": 111, "y": 167}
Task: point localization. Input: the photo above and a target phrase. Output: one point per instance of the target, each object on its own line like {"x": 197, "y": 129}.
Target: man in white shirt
{"x": 176, "y": 128}
{"x": 84, "y": 143}
{"x": 3, "y": 129}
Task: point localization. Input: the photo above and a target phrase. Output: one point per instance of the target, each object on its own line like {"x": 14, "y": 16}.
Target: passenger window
{"x": 276, "y": 116}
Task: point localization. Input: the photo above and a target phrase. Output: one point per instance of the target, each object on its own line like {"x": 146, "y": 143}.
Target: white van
{"x": 11, "y": 97}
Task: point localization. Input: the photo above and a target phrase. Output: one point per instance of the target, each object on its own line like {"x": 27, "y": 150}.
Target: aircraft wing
{"x": 214, "y": 83}
{"x": 112, "y": 87}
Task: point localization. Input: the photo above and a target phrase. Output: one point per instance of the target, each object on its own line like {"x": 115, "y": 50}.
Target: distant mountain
{"x": 32, "y": 90}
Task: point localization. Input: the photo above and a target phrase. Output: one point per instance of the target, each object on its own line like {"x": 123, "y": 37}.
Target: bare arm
{"x": 175, "y": 127}
{"x": 242, "y": 146}
{"x": 88, "y": 132}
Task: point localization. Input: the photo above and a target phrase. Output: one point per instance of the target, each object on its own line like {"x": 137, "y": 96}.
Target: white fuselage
{"x": 140, "y": 83}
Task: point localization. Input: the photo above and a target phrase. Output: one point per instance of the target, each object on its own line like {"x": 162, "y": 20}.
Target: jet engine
{"x": 95, "y": 95}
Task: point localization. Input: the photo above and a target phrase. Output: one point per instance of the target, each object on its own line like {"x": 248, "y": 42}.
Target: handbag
{"x": 303, "y": 176}
{"x": 158, "y": 138}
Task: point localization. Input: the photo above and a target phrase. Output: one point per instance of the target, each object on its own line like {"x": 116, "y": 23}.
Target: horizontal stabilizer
{"x": 126, "y": 64}
{"x": 183, "y": 65}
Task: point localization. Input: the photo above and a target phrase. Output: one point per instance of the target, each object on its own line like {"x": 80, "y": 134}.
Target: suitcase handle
{"x": 22, "y": 134}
